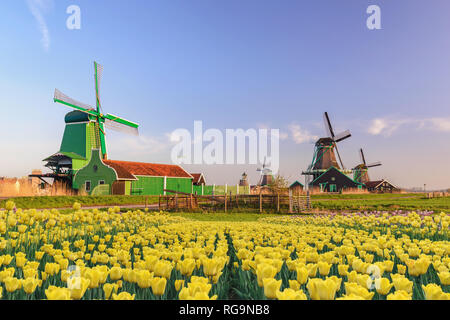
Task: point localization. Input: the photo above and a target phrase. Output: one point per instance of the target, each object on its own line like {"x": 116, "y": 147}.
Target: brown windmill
{"x": 324, "y": 156}
{"x": 360, "y": 172}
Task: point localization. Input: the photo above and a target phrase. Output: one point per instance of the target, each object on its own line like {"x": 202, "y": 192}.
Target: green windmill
{"x": 84, "y": 131}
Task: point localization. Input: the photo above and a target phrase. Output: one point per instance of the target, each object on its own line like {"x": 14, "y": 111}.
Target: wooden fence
{"x": 281, "y": 203}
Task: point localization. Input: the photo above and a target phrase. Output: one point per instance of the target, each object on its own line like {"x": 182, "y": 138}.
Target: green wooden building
{"x": 82, "y": 161}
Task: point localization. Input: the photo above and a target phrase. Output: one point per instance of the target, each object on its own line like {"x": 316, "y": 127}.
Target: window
{"x": 88, "y": 186}
{"x": 332, "y": 188}
{"x": 101, "y": 182}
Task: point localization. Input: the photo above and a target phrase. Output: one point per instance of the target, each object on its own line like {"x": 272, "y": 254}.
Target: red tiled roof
{"x": 197, "y": 177}
{"x": 128, "y": 169}
{"x": 121, "y": 170}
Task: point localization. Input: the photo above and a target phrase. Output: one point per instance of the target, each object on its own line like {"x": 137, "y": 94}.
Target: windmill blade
{"x": 98, "y": 79}
{"x": 120, "y": 127}
{"x": 339, "y": 156}
{"x": 328, "y": 126}
{"x": 374, "y": 164}
{"x": 66, "y": 100}
{"x": 361, "y": 154}
{"x": 342, "y": 136}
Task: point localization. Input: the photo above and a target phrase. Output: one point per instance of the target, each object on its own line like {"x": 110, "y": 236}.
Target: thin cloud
{"x": 300, "y": 135}
{"x": 37, "y": 9}
{"x": 387, "y": 126}
{"x": 141, "y": 146}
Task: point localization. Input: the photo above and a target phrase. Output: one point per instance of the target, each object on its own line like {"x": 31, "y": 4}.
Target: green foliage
{"x": 45, "y": 202}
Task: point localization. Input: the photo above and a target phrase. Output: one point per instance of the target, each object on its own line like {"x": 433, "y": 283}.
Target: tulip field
{"x": 94, "y": 254}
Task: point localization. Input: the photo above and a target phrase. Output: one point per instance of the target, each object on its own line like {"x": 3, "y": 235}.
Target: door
{"x": 118, "y": 188}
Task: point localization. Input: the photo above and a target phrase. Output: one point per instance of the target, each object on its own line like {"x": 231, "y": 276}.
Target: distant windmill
{"x": 95, "y": 114}
{"x": 324, "y": 156}
{"x": 360, "y": 172}
{"x": 243, "y": 182}
{"x": 266, "y": 175}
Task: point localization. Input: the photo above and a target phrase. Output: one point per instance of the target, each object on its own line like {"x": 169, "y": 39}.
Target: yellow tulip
{"x": 199, "y": 279}
{"x": 163, "y": 269}
{"x": 383, "y": 286}
{"x": 77, "y": 287}
{"x": 51, "y": 268}
{"x": 115, "y": 273}
{"x": 399, "y": 295}
{"x": 324, "y": 268}
{"x": 312, "y": 269}
{"x": 29, "y": 273}
{"x": 352, "y": 276}
{"x": 388, "y": 265}
{"x": 445, "y": 278}
{"x": 271, "y": 287}
{"x": 294, "y": 285}
{"x": 337, "y": 282}
{"x": 265, "y": 271}
{"x": 404, "y": 284}
{"x": 12, "y": 284}
{"x": 290, "y": 294}
{"x": 302, "y": 275}
{"x": 29, "y": 285}
{"x": 1, "y": 292}
{"x": 94, "y": 276}
{"x": 144, "y": 279}
{"x": 39, "y": 254}
{"x": 211, "y": 266}
{"x": 198, "y": 286}
{"x": 215, "y": 278}
{"x": 108, "y": 288}
{"x": 364, "y": 280}
{"x": 321, "y": 289}
{"x": 401, "y": 268}
{"x": 356, "y": 289}
{"x": 184, "y": 294}
{"x": 123, "y": 296}
{"x": 434, "y": 292}
{"x": 20, "y": 262}
{"x": 187, "y": 266}
{"x": 418, "y": 267}
{"x": 55, "y": 293}
{"x": 343, "y": 269}
{"x": 179, "y": 284}
{"x": 159, "y": 286}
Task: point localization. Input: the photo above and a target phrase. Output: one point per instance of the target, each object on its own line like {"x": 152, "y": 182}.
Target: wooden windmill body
{"x": 84, "y": 132}
{"x": 361, "y": 171}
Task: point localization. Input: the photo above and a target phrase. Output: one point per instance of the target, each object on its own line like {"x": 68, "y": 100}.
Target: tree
{"x": 279, "y": 184}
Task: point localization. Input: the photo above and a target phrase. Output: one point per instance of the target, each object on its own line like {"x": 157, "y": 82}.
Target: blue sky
{"x": 235, "y": 64}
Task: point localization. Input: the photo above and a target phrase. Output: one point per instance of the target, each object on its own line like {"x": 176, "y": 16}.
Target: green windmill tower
{"x": 84, "y": 131}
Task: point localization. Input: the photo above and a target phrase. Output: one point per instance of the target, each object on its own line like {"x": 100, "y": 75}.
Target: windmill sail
{"x": 117, "y": 126}
{"x": 342, "y": 136}
{"x": 374, "y": 164}
{"x": 98, "y": 79}
{"x": 62, "y": 98}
